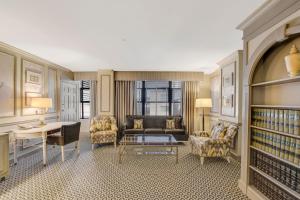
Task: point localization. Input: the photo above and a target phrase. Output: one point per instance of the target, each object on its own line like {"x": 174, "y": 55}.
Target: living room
{"x": 150, "y": 99}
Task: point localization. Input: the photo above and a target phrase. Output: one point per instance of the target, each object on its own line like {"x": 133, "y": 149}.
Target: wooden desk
{"x": 40, "y": 132}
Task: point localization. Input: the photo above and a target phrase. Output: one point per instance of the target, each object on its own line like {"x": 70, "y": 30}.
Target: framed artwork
{"x": 228, "y": 74}
{"x": 52, "y": 86}
{"x": 215, "y": 93}
{"x": 32, "y": 85}
{"x": 33, "y": 77}
{"x": 7, "y": 85}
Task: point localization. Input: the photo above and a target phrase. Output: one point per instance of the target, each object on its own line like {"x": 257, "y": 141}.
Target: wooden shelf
{"x": 277, "y": 132}
{"x": 277, "y": 106}
{"x": 277, "y": 82}
{"x": 273, "y": 156}
{"x": 274, "y": 181}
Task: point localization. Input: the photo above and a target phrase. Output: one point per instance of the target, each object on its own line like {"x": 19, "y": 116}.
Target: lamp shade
{"x": 41, "y": 102}
{"x": 203, "y": 103}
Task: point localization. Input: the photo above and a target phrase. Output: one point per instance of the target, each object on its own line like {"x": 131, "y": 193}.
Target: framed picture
{"x": 215, "y": 93}
{"x": 32, "y": 84}
{"x": 228, "y": 90}
{"x": 7, "y": 85}
{"x": 33, "y": 77}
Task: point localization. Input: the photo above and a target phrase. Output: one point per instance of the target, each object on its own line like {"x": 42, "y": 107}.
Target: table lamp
{"x": 203, "y": 103}
{"x": 44, "y": 104}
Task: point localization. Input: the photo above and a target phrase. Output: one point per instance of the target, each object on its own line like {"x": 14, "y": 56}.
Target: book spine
{"x": 292, "y": 150}
{"x": 287, "y": 148}
{"x": 276, "y": 120}
{"x": 297, "y": 123}
{"x": 281, "y": 121}
{"x": 262, "y": 118}
{"x": 268, "y": 118}
{"x": 291, "y": 121}
{"x": 286, "y": 121}
{"x": 297, "y": 154}
{"x": 254, "y": 117}
{"x": 282, "y": 146}
{"x": 272, "y": 119}
{"x": 277, "y": 152}
{"x": 274, "y": 139}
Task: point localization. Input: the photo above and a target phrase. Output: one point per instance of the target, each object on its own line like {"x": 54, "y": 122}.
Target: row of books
{"x": 284, "y": 173}
{"x": 287, "y": 121}
{"x": 269, "y": 189}
{"x": 284, "y": 147}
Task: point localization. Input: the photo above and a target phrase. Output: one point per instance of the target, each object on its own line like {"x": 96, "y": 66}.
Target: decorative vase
{"x": 292, "y": 62}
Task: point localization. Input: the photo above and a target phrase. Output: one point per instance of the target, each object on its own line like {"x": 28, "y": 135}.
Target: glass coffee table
{"x": 149, "y": 140}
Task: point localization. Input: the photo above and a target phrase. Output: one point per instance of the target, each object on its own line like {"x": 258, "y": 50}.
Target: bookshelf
{"x": 277, "y": 82}
{"x": 279, "y": 184}
{"x": 274, "y": 127}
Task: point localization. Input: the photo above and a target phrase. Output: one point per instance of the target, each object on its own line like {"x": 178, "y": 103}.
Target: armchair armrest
{"x": 201, "y": 133}
{"x": 114, "y": 127}
{"x": 218, "y": 142}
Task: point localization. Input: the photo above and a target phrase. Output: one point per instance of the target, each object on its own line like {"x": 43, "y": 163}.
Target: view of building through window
{"x": 85, "y": 100}
{"x": 159, "y": 98}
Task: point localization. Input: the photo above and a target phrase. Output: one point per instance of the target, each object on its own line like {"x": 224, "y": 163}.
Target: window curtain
{"x": 124, "y": 100}
{"x": 93, "y": 100}
{"x": 190, "y": 94}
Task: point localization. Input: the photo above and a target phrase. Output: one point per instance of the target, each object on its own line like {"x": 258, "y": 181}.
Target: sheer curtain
{"x": 93, "y": 100}
{"x": 190, "y": 94}
{"x": 124, "y": 100}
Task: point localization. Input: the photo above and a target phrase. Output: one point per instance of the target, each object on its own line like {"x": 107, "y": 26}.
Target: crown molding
{"x": 256, "y": 14}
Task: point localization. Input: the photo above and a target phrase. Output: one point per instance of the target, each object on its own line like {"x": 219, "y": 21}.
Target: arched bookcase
{"x": 274, "y": 124}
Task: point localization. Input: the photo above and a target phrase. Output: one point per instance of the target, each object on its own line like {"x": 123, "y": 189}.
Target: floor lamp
{"x": 203, "y": 103}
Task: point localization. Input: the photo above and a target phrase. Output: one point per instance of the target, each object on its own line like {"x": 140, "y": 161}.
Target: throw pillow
{"x": 218, "y": 131}
{"x": 138, "y": 123}
{"x": 170, "y": 124}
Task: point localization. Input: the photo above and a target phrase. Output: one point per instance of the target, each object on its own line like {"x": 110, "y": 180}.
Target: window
{"x": 158, "y": 98}
{"x": 85, "y": 98}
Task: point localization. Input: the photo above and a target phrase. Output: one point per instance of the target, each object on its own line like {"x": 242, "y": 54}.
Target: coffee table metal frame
{"x": 129, "y": 140}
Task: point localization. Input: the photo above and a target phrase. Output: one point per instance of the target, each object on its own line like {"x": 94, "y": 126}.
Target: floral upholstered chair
{"x": 103, "y": 129}
{"x": 215, "y": 143}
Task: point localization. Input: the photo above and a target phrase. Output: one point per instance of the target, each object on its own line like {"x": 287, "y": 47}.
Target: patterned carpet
{"x": 98, "y": 175}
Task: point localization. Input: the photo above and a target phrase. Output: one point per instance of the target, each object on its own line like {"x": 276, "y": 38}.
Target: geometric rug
{"x": 98, "y": 175}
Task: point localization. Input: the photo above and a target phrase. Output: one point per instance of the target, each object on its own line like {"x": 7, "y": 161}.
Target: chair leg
{"x": 78, "y": 147}
{"x": 192, "y": 148}
{"x": 201, "y": 160}
{"x": 228, "y": 159}
{"x": 93, "y": 146}
{"x": 62, "y": 153}
{"x": 115, "y": 144}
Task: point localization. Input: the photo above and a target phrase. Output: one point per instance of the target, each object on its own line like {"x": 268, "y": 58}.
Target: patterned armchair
{"x": 103, "y": 129}
{"x": 215, "y": 143}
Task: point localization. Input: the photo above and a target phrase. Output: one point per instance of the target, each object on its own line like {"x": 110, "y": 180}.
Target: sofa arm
{"x": 201, "y": 133}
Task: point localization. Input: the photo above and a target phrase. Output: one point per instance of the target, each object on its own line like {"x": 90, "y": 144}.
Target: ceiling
{"x": 126, "y": 35}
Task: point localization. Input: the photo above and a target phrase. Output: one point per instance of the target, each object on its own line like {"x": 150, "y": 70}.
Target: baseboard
{"x": 254, "y": 194}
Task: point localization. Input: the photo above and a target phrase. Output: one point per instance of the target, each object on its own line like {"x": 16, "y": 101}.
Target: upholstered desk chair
{"x": 103, "y": 130}
{"x": 69, "y": 134}
{"x": 215, "y": 143}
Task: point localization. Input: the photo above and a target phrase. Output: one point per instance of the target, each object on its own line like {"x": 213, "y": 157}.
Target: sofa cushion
{"x": 133, "y": 131}
{"x": 154, "y": 131}
{"x": 175, "y": 131}
{"x": 130, "y": 119}
{"x": 155, "y": 122}
{"x": 170, "y": 123}
{"x": 138, "y": 123}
